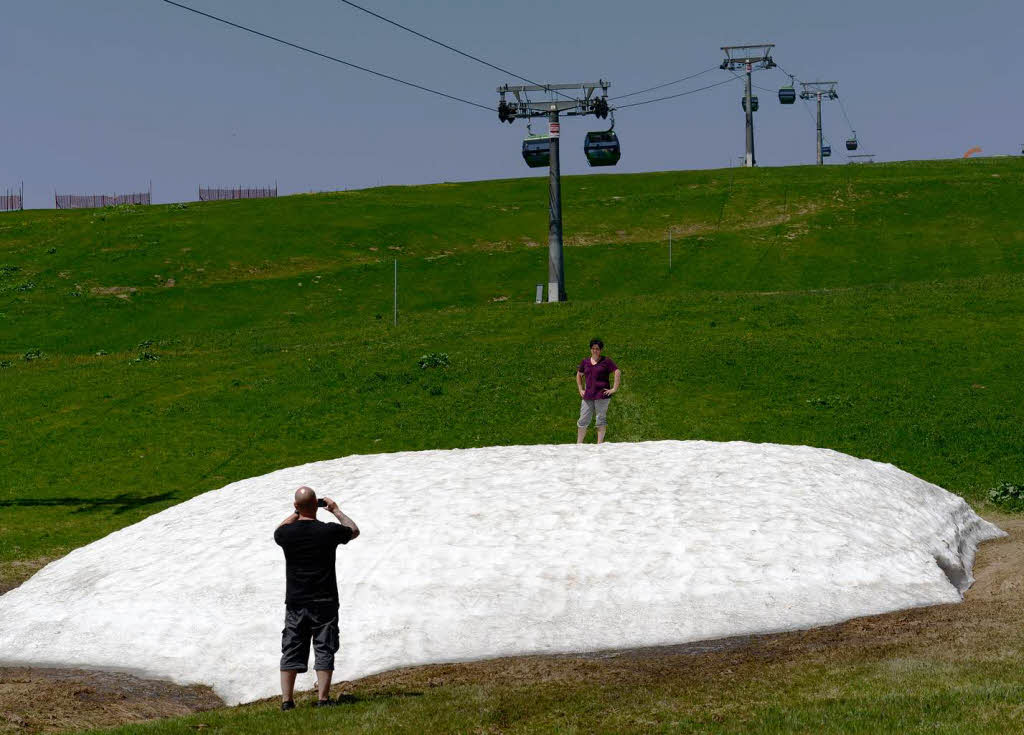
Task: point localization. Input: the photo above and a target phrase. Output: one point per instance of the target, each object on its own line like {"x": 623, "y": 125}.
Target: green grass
{"x": 876, "y": 310}
{"x": 860, "y": 699}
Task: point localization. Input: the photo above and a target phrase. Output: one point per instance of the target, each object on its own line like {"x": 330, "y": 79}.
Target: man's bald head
{"x": 305, "y": 501}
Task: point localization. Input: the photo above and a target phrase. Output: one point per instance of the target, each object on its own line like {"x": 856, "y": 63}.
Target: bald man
{"x": 311, "y": 599}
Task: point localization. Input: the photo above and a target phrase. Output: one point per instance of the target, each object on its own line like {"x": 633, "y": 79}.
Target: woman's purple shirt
{"x": 597, "y": 377}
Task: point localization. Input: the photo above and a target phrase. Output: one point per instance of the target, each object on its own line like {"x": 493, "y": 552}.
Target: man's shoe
{"x": 324, "y": 703}
{"x": 285, "y": 706}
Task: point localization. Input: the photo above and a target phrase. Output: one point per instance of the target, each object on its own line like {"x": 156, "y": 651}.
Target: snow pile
{"x": 479, "y": 553}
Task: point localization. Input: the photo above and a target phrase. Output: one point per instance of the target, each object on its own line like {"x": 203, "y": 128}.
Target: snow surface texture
{"x": 478, "y": 553}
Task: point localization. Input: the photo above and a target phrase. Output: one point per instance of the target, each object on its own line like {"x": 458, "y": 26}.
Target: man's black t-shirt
{"x": 309, "y": 548}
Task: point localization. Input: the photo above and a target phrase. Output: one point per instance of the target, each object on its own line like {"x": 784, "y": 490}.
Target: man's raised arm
{"x": 342, "y": 518}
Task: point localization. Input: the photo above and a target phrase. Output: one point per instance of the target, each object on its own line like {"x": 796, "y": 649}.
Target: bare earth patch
{"x": 13, "y": 573}
{"x": 41, "y": 700}
{"x": 992, "y": 614}
{"x": 121, "y": 292}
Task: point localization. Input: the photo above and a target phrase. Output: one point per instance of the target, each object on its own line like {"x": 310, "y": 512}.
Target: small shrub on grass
{"x": 6, "y": 364}
{"x": 1008, "y": 495}
{"x": 434, "y": 360}
{"x": 26, "y": 287}
{"x": 147, "y": 356}
{"x": 32, "y": 355}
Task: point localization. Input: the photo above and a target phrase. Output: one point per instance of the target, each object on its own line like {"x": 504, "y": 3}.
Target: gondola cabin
{"x": 602, "y": 148}
{"x": 787, "y": 95}
{"x": 753, "y": 102}
{"x": 537, "y": 150}
{"x": 826, "y": 151}
{"x": 851, "y": 144}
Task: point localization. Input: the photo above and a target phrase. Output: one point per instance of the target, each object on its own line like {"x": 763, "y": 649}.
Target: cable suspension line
{"x": 843, "y": 108}
{"x": 814, "y": 121}
{"x": 793, "y": 77}
{"x": 442, "y": 44}
{"x": 659, "y": 86}
{"x": 673, "y": 96}
{"x": 325, "y": 56}
{"x": 755, "y": 86}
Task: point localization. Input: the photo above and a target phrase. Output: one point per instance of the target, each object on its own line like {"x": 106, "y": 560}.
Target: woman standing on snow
{"x": 595, "y": 370}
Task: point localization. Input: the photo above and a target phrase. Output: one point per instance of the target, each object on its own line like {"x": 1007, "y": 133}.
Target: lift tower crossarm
{"x": 585, "y": 104}
{"x": 812, "y": 89}
{"x": 525, "y": 107}
{"x": 737, "y": 57}
{"x": 748, "y": 58}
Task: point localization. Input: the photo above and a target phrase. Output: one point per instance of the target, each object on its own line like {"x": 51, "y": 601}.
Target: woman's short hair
{"x": 598, "y": 342}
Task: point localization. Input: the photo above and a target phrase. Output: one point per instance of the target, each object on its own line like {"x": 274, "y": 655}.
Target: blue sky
{"x": 102, "y": 96}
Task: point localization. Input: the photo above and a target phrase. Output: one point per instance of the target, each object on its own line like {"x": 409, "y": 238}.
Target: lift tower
{"x": 817, "y": 90}
{"x": 583, "y": 104}
{"x": 748, "y": 58}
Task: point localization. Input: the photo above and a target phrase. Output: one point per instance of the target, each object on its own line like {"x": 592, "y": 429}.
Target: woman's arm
{"x": 615, "y": 385}
{"x": 579, "y": 382}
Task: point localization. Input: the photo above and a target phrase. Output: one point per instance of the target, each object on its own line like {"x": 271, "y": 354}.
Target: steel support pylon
{"x": 556, "y": 263}
{"x": 751, "y": 161}
{"x": 748, "y": 58}
{"x": 821, "y": 160}
{"x": 818, "y": 91}
{"x": 584, "y": 103}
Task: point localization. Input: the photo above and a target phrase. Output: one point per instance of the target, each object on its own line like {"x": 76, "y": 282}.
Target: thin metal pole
{"x": 750, "y": 121}
{"x": 556, "y": 272}
{"x": 820, "y": 160}
{"x": 396, "y": 292}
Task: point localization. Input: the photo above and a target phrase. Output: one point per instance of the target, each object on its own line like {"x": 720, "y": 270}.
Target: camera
{"x": 321, "y": 503}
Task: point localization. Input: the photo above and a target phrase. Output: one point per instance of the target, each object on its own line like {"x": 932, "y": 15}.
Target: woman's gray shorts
{"x": 588, "y": 409}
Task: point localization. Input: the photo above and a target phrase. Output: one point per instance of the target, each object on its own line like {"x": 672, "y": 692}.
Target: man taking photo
{"x": 311, "y": 598}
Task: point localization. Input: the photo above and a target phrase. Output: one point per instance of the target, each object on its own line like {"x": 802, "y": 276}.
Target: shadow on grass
{"x": 118, "y": 504}
{"x": 349, "y": 698}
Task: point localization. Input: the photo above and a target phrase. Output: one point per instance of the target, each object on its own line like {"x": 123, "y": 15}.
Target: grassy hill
{"x": 150, "y": 354}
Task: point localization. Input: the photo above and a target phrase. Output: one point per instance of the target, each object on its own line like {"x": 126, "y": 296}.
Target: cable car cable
{"x": 667, "y": 84}
{"x": 444, "y": 45}
{"x": 843, "y": 108}
{"x": 755, "y": 86}
{"x": 793, "y": 77}
{"x": 326, "y": 56}
{"x": 673, "y": 96}
{"x": 814, "y": 121}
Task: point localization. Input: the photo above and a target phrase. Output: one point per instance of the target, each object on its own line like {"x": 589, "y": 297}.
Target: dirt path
{"x": 992, "y": 614}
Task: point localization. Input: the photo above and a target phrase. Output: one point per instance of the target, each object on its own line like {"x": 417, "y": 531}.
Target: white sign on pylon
{"x": 553, "y": 128}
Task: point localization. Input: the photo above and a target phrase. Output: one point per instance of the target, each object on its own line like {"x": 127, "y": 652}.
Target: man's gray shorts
{"x": 588, "y": 409}
{"x": 316, "y": 622}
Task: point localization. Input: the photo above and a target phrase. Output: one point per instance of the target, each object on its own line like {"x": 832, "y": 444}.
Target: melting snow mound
{"x": 478, "y": 553}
